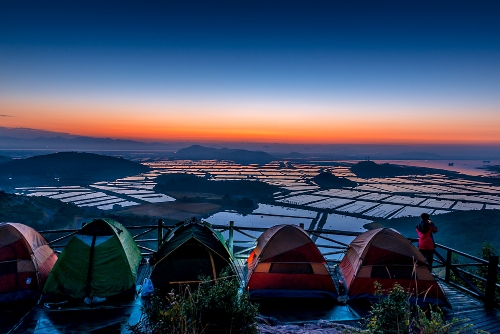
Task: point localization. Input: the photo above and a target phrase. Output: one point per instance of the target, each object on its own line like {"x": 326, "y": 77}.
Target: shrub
{"x": 432, "y": 322}
{"x": 215, "y": 307}
{"x": 394, "y": 314}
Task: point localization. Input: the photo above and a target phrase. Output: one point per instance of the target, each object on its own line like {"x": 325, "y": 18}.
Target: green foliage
{"x": 174, "y": 313}
{"x": 65, "y": 215}
{"x": 432, "y": 322}
{"x": 487, "y": 251}
{"x": 215, "y": 307}
{"x": 393, "y": 314}
{"x": 226, "y": 309}
{"x": 18, "y": 209}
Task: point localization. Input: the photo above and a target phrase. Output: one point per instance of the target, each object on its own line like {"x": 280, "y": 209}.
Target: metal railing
{"x": 150, "y": 238}
{"x": 458, "y": 274}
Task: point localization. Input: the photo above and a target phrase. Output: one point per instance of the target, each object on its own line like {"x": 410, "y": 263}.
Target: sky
{"x": 324, "y": 72}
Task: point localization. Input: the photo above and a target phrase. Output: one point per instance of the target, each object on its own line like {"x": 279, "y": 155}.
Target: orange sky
{"x": 264, "y": 123}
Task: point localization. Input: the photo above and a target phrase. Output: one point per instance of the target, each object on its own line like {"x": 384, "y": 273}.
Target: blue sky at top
{"x": 389, "y": 57}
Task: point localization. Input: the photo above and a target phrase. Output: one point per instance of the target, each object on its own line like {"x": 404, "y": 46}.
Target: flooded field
{"x": 300, "y": 200}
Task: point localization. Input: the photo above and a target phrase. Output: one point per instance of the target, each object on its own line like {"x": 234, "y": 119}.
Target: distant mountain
{"x": 197, "y": 152}
{"x": 328, "y": 180}
{"x": 78, "y": 143}
{"x": 28, "y": 133}
{"x": 33, "y": 139}
{"x": 68, "y": 168}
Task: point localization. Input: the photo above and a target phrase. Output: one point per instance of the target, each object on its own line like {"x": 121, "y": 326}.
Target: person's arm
{"x": 434, "y": 228}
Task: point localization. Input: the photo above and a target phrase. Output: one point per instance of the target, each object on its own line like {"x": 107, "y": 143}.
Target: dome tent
{"x": 286, "y": 263}
{"x": 25, "y": 262}
{"x": 100, "y": 260}
{"x": 385, "y": 256}
{"x": 192, "y": 249}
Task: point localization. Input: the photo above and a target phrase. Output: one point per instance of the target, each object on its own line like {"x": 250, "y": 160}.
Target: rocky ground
{"x": 268, "y": 326}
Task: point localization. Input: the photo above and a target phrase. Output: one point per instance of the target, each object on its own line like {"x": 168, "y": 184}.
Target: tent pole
{"x": 91, "y": 260}
{"x": 213, "y": 264}
{"x": 160, "y": 233}
{"x": 230, "y": 240}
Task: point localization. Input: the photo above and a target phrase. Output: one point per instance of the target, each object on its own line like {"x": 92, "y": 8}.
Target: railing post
{"x": 230, "y": 241}
{"x": 160, "y": 233}
{"x": 447, "y": 275}
{"x": 491, "y": 280}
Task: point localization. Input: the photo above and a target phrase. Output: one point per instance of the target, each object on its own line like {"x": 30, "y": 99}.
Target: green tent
{"x": 100, "y": 260}
{"x": 192, "y": 249}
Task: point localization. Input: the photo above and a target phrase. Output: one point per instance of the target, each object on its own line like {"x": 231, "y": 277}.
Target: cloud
{"x": 6, "y": 116}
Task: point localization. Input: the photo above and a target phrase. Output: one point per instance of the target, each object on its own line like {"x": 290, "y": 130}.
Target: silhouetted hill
{"x": 4, "y": 159}
{"x": 43, "y": 213}
{"x": 198, "y": 152}
{"x": 462, "y": 230}
{"x": 69, "y": 168}
{"x": 494, "y": 168}
{"x": 193, "y": 183}
{"x": 38, "y": 212}
{"x": 328, "y": 180}
{"x": 369, "y": 169}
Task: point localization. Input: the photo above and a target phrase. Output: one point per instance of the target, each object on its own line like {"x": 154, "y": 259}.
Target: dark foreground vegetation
{"x": 215, "y": 307}
{"x": 393, "y": 314}
{"x": 219, "y": 307}
{"x": 66, "y": 168}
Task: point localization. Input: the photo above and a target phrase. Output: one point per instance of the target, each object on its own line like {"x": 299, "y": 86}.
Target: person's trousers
{"x": 429, "y": 255}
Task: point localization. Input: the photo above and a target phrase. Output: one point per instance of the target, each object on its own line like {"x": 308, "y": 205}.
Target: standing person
{"x": 425, "y": 230}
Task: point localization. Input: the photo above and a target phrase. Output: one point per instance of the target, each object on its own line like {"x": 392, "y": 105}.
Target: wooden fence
{"x": 451, "y": 266}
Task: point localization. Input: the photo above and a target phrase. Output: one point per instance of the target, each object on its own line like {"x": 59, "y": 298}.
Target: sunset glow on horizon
{"x": 287, "y": 72}
{"x": 179, "y": 124}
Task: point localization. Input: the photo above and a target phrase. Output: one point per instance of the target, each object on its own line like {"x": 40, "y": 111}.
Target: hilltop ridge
{"x": 198, "y": 152}
{"x": 67, "y": 168}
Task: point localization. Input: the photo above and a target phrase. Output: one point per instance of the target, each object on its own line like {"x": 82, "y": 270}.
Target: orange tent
{"x": 385, "y": 256}
{"x": 287, "y": 264}
{"x": 25, "y": 262}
